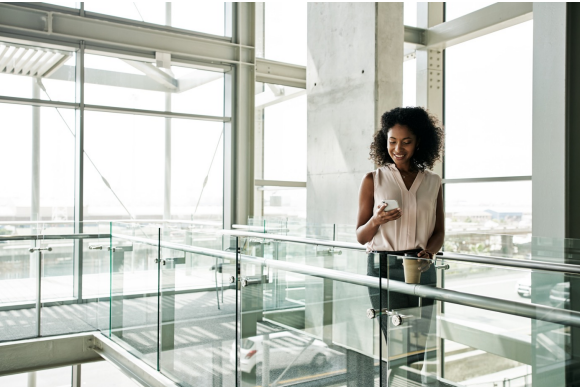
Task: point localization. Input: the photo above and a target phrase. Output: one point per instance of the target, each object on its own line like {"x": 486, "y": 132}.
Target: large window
{"x": 488, "y": 123}
{"x": 135, "y": 165}
{"x": 280, "y": 167}
{"x": 207, "y": 17}
{"x": 37, "y": 144}
{"x": 142, "y": 167}
{"x": 141, "y": 85}
{"x": 125, "y": 159}
{"x": 284, "y": 32}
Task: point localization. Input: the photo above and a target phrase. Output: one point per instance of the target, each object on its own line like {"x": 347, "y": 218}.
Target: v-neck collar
{"x": 416, "y": 183}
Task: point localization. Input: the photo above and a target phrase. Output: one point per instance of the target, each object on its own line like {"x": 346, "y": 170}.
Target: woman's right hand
{"x": 382, "y": 217}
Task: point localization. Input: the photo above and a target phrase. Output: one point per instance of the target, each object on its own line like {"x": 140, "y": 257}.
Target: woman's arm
{"x": 437, "y": 238}
{"x": 367, "y": 224}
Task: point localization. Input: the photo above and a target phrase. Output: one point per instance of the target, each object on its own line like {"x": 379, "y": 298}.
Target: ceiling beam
{"x": 484, "y": 21}
{"x": 154, "y": 73}
{"x": 471, "y": 26}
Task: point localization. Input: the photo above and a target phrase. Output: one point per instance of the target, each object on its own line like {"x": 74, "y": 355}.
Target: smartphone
{"x": 391, "y": 204}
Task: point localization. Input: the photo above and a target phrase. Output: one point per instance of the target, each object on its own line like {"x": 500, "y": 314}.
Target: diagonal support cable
{"x": 39, "y": 81}
{"x": 207, "y": 175}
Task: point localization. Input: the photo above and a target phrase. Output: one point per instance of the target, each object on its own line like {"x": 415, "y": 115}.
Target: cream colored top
{"x": 418, "y": 205}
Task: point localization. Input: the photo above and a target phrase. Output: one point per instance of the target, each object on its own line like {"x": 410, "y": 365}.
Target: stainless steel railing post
{"x": 38, "y": 278}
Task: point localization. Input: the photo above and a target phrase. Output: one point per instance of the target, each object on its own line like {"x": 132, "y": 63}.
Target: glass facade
{"x": 285, "y": 32}
{"x": 207, "y": 18}
{"x": 25, "y": 130}
{"x": 281, "y": 142}
{"x": 489, "y": 134}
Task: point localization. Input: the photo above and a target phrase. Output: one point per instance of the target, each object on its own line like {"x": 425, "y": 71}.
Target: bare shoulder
{"x": 368, "y": 179}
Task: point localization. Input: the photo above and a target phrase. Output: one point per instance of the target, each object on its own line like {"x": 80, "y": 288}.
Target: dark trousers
{"x": 392, "y": 268}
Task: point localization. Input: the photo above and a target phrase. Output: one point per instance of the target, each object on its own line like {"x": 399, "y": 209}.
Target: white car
{"x": 524, "y": 286}
{"x": 285, "y": 348}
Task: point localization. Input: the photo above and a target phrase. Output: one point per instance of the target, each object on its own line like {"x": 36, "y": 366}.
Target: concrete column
{"x": 556, "y": 173}
{"x": 354, "y": 74}
{"x": 549, "y": 121}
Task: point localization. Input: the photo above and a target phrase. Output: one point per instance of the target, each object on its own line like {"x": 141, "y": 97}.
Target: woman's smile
{"x": 402, "y": 143}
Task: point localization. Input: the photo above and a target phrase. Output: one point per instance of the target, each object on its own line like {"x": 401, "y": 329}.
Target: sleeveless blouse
{"x": 418, "y": 205}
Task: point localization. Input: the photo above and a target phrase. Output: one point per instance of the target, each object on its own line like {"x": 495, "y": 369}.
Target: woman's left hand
{"x": 425, "y": 264}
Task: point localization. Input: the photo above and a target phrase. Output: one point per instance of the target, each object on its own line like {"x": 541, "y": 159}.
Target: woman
{"x": 406, "y": 147}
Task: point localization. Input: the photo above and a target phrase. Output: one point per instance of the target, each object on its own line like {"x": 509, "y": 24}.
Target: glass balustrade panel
{"x": 409, "y": 322}
{"x": 296, "y": 326}
{"x": 18, "y": 289}
{"x": 62, "y": 284}
{"x": 498, "y": 325}
{"x": 134, "y": 290}
{"x": 198, "y": 310}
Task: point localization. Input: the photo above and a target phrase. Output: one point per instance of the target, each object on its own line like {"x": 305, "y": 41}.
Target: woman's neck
{"x": 407, "y": 167}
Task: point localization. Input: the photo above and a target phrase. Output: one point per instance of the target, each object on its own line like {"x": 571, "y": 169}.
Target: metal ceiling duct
{"x": 30, "y": 61}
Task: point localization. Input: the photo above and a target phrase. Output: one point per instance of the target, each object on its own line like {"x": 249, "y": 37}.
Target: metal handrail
{"x": 534, "y": 311}
{"x": 488, "y": 260}
{"x": 510, "y": 262}
{"x": 286, "y": 238}
{"x": 51, "y": 237}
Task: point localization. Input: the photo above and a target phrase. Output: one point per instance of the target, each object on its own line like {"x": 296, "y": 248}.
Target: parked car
{"x": 559, "y": 293}
{"x": 524, "y": 286}
{"x": 285, "y": 348}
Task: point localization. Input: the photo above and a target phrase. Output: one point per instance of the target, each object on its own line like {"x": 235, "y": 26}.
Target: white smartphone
{"x": 391, "y": 205}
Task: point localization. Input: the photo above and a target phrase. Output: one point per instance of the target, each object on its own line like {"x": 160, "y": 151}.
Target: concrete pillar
{"x": 549, "y": 121}
{"x": 354, "y": 74}
{"x": 556, "y": 173}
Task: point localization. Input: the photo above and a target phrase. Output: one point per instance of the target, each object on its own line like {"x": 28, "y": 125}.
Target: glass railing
{"x": 298, "y": 326}
{"x": 52, "y": 281}
{"x": 233, "y": 308}
{"x": 509, "y": 326}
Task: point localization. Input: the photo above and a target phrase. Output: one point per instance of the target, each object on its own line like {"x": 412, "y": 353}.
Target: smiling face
{"x": 402, "y": 144}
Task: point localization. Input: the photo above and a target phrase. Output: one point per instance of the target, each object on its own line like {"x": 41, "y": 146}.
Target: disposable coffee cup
{"x": 411, "y": 269}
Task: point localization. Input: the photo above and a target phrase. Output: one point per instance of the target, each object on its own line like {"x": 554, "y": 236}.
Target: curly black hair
{"x": 423, "y": 125}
